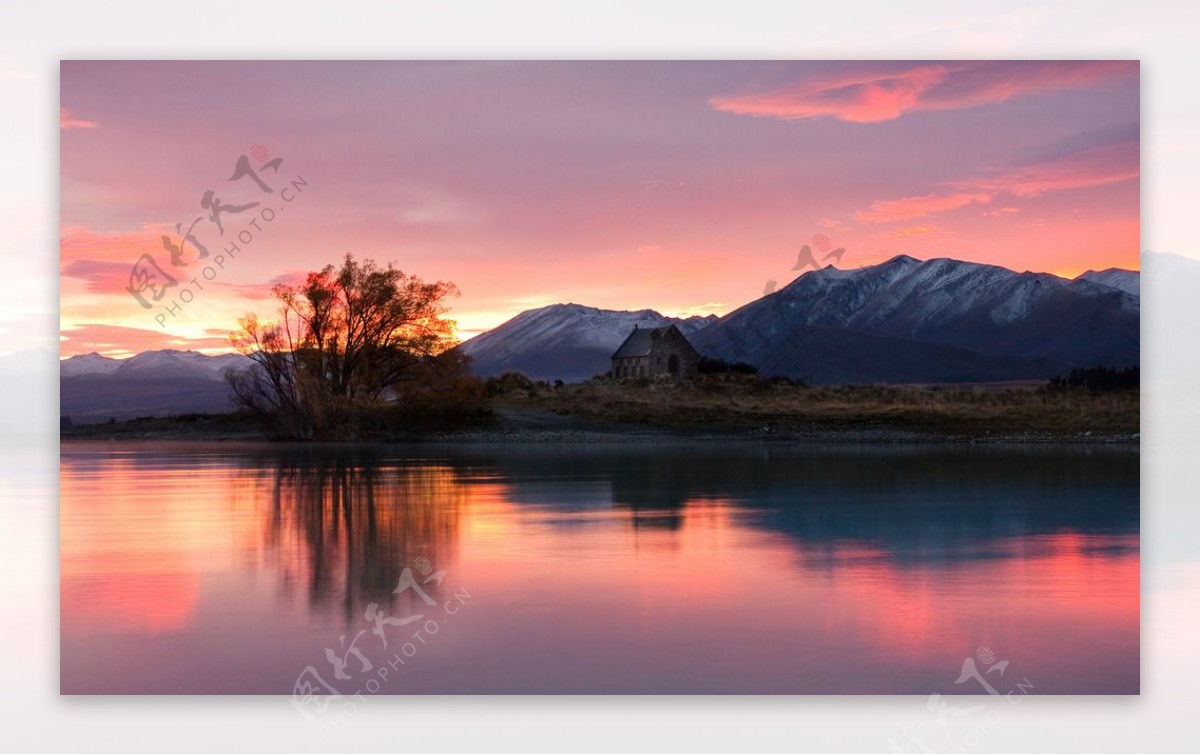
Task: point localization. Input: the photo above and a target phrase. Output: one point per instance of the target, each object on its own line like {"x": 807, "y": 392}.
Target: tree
{"x": 344, "y": 344}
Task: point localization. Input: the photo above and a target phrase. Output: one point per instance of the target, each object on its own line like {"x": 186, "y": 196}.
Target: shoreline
{"x": 524, "y": 429}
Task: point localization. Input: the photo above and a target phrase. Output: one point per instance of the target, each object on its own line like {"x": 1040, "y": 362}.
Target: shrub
{"x": 1100, "y": 379}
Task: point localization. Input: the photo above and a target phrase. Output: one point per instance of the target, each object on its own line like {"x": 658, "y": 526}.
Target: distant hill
{"x": 569, "y": 342}
{"x": 95, "y": 388}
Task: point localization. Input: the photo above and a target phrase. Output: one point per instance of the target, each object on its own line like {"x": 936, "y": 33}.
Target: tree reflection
{"x": 341, "y": 528}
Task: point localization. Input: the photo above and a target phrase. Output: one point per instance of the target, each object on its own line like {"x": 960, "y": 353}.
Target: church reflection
{"x": 340, "y": 524}
{"x": 913, "y": 503}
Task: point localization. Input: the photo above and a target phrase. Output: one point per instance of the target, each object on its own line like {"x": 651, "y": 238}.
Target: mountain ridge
{"x": 965, "y": 321}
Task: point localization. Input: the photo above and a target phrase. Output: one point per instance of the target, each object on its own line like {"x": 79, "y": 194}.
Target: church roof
{"x": 639, "y": 342}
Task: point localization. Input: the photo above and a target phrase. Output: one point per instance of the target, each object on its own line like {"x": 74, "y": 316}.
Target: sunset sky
{"x": 679, "y": 186}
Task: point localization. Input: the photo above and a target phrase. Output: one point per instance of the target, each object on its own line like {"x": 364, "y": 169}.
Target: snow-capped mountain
{"x": 564, "y": 341}
{"x": 907, "y": 320}
{"x": 904, "y": 320}
{"x": 1129, "y": 281}
{"x": 161, "y": 363}
{"x": 153, "y": 383}
{"x": 88, "y": 364}
{"x": 169, "y": 362}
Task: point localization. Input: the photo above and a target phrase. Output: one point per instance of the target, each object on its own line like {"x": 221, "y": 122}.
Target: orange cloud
{"x": 68, "y": 121}
{"x": 916, "y": 207}
{"x": 927, "y": 231}
{"x": 885, "y": 95}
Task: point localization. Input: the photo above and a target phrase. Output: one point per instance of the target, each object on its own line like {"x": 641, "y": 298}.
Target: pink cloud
{"x": 105, "y": 260}
{"x": 80, "y": 244}
{"x": 885, "y": 95}
{"x": 259, "y": 291}
{"x": 68, "y": 121}
{"x": 1087, "y": 168}
{"x": 1099, "y": 166}
{"x": 101, "y": 277}
{"x": 119, "y": 340}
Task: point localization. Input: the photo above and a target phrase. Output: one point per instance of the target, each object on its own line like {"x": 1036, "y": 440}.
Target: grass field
{"x": 734, "y": 405}
{"x": 744, "y": 403}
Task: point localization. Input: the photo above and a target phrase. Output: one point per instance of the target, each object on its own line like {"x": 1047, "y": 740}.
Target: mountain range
{"x": 901, "y": 321}
{"x": 95, "y": 388}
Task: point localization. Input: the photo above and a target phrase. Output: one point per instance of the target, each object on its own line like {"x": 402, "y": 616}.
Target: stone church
{"x": 655, "y": 351}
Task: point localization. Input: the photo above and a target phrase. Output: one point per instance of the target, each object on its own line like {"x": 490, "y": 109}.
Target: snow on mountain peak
{"x": 164, "y": 362}
{"x": 1129, "y": 281}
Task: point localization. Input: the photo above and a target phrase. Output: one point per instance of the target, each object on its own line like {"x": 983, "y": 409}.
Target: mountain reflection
{"x": 912, "y": 502}
{"x": 341, "y": 526}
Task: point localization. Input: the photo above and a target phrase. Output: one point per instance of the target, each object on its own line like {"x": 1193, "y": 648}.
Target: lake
{"x": 641, "y": 568}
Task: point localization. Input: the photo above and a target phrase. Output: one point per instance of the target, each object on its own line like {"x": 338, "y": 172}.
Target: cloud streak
{"x": 100, "y": 276}
{"x": 1098, "y": 166}
{"x": 67, "y": 121}
{"x": 908, "y": 208}
{"x": 116, "y": 339}
{"x": 1088, "y": 168}
{"x": 80, "y": 244}
{"x": 886, "y": 94}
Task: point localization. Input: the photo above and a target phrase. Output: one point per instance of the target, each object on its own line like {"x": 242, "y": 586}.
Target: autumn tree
{"x": 346, "y": 344}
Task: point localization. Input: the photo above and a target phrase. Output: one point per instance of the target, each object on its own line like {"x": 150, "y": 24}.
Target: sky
{"x": 685, "y": 187}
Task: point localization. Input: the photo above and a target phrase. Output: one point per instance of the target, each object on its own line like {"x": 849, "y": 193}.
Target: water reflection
{"x": 342, "y": 527}
{"x": 605, "y": 569}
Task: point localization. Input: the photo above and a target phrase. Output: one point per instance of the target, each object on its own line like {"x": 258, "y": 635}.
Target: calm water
{"x": 232, "y": 568}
